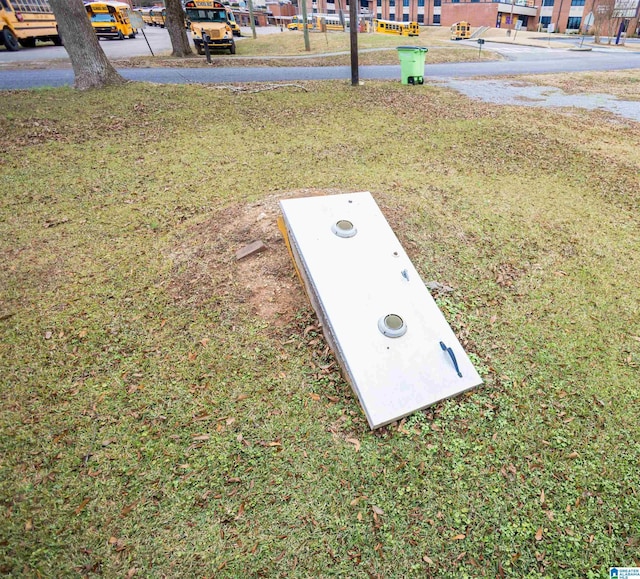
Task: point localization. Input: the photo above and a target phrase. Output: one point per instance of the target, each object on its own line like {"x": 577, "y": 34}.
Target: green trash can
{"x": 412, "y": 64}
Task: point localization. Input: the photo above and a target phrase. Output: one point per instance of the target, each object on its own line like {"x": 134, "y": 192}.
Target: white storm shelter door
{"x": 393, "y": 343}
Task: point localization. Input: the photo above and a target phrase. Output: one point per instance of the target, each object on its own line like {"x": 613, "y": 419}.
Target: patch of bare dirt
{"x": 205, "y": 268}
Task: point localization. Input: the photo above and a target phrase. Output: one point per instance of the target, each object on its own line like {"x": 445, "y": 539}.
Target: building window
{"x": 420, "y": 2}
{"x": 437, "y": 2}
{"x": 405, "y": 18}
{"x": 577, "y": 2}
{"x": 436, "y": 18}
{"x": 379, "y": 15}
{"x": 405, "y": 2}
{"x": 573, "y": 23}
{"x": 379, "y": 3}
{"x": 455, "y": 1}
{"x": 392, "y": 15}
{"x": 547, "y": 2}
{"x": 392, "y": 2}
{"x": 420, "y": 18}
{"x": 545, "y": 21}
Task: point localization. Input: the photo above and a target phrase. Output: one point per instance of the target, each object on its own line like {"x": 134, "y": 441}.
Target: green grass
{"x": 624, "y": 84}
{"x": 330, "y": 49}
{"x": 167, "y": 411}
{"x": 373, "y": 48}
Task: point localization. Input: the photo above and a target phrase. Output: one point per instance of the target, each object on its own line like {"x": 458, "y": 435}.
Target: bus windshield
{"x": 102, "y": 18}
{"x": 199, "y": 15}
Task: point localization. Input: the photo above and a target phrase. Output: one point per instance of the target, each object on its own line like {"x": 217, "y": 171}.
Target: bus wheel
{"x": 28, "y": 42}
{"x": 200, "y": 49}
{"x": 232, "y": 48}
{"x": 9, "y": 40}
{"x": 57, "y": 40}
{"x": 120, "y": 35}
{"x": 132, "y": 35}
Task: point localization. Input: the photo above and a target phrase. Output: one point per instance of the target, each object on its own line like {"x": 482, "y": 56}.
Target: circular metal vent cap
{"x": 392, "y": 326}
{"x": 344, "y": 228}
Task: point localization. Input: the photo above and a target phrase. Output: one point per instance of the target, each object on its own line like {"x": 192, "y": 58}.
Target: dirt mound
{"x": 205, "y": 269}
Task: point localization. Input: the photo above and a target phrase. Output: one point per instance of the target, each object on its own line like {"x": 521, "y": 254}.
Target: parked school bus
{"x": 235, "y": 27}
{"x": 146, "y": 15}
{"x": 331, "y": 22}
{"x": 399, "y": 28}
{"x": 209, "y": 21}
{"x": 460, "y": 30}
{"x": 110, "y": 19}
{"x": 296, "y": 23}
{"x": 158, "y": 17}
{"x": 22, "y": 22}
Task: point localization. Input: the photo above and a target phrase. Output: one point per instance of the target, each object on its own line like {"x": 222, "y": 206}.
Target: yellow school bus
{"x": 146, "y": 15}
{"x": 296, "y": 23}
{"x": 398, "y": 28}
{"x": 331, "y": 22}
{"x": 22, "y": 22}
{"x": 209, "y": 22}
{"x": 158, "y": 16}
{"x": 235, "y": 27}
{"x": 110, "y": 19}
{"x": 460, "y": 30}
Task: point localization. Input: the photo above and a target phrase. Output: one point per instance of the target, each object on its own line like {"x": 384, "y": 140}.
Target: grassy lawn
{"x": 623, "y": 84}
{"x": 168, "y": 411}
{"x": 288, "y": 49}
{"x": 292, "y": 42}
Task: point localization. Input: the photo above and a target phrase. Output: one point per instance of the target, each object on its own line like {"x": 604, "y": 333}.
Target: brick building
{"x": 532, "y": 14}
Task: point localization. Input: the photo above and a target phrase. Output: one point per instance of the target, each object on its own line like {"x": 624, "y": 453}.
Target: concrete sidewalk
{"x": 545, "y": 40}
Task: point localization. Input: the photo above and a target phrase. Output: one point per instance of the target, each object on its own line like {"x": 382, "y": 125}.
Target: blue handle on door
{"x": 453, "y": 358}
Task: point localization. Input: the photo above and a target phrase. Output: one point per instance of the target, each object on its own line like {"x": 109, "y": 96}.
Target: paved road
{"x": 522, "y": 60}
{"x": 21, "y": 79}
{"x": 156, "y": 41}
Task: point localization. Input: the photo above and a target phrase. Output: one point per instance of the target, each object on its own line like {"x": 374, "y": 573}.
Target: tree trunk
{"x": 91, "y": 67}
{"x": 177, "y": 32}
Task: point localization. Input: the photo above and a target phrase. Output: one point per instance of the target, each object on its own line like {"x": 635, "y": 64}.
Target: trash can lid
{"x": 416, "y": 48}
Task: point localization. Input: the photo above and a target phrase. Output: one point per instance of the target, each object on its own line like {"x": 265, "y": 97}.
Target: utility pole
{"x": 253, "y": 22}
{"x": 353, "y": 29}
{"x": 305, "y": 27}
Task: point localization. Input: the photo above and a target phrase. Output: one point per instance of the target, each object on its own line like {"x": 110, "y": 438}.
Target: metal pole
{"x": 621, "y": 29}
{"x": 353, "y": 26}
{"x": 253, "y": 22}
{"x": 305, "y": 28}
{"x": 585, "y": 25}
{"x": 511, "y": 18}
{"x": 205, "y": 43}
{"x": 145, "y": 37}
